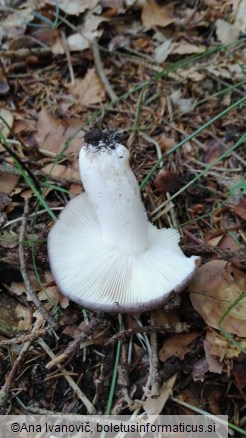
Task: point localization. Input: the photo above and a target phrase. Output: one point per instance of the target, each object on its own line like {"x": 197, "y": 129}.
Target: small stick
{"x": 72, "y": 346}
{"x": 155, "y": 379}
{"x": 77, "y": 390}
{"x": 24, "y": 338}
{"x": 10, "y": 377}
{"x": 178, "y": 327}
{"x": 100, "y": 70}
{"x": 23, "y": 53}
{"x": 68, "y": 55}
{"x": 49, "y": 318}
{"x": 123, "y": 373}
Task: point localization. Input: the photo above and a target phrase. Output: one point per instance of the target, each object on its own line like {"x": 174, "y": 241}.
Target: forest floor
{"x": 171, "y": 76}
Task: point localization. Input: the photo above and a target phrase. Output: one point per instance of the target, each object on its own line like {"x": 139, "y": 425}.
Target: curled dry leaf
{"x": 215, "y": 287}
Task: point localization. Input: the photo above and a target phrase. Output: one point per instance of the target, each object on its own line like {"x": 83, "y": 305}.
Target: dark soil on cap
{"x": 107, "y": 137}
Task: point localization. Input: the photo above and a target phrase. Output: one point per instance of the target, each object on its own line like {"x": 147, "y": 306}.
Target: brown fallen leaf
{"x": 70, "y": 171}
{"x": 214, "y": 364}
{"x": 8, "y": 182}
{"x": 228, "y": 243}
{"x": 240, "y": 210}
{"x": 155, "y": 15}
{"x": 215, "y": 287}
{"x": 52, "y": 133}
{"x": 177, "y": 345}
{"x": 239, "y": 372}
{"x": 167, "y": 181}
{"x": 53, "y": 296}
{"x": 89, "y": 90}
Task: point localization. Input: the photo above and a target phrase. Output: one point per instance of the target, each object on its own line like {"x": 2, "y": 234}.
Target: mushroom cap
{"x": 101, "y": 277}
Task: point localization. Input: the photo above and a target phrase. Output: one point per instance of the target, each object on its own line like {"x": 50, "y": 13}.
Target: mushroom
{"x": 104, "y": 253}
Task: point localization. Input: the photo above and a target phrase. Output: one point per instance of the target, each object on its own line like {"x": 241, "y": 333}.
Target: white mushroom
{"x": 103, "y": 251}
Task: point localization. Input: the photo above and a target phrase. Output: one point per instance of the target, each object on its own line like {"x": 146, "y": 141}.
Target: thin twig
{"x": 10, "y": 377}
{"x": 49, "y": 318}
{"x": 41, "y": 52}
{"x": 68, "y": 55}
{"x": 29, "y": 337}
{"x": 155, "y": 380}
{"x": 100, "y": 70}
{"x": 77, "y": 390}
{"x": 73, "y": 345}
{"x": 170, "y": 206}
{"x": 123, "y": 372}
{"x": 178, "y": 327}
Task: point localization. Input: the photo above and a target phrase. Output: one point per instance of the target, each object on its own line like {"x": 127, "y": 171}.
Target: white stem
{"x": 113, "y": 190}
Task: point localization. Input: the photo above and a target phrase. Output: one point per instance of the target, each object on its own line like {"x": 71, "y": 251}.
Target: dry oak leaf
{"x": 89, "y": 90}
{"x": 214, "y": 288}
{"x": 155, "y": 15}
{"x": 52, "y": 133}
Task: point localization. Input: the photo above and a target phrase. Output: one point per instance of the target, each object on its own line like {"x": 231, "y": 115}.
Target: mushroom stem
{"x": 113, "y": 190}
